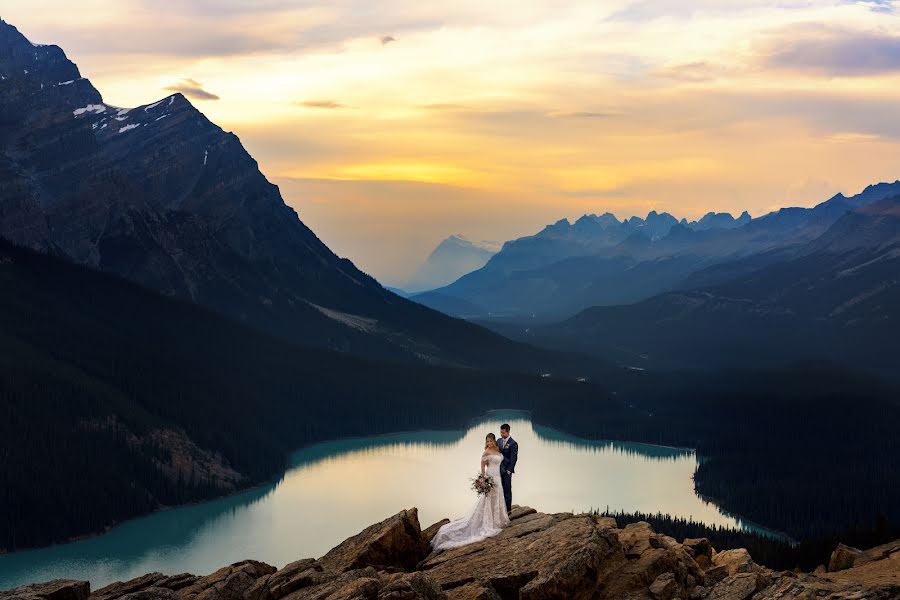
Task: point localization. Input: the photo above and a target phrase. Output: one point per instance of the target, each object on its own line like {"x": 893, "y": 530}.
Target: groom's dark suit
{"x": 509, "y": 448}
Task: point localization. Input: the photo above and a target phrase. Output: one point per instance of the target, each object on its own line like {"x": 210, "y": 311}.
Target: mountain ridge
{"x": 601, "y": 261}
{"x": 160, "y": 195}
{"x": 815, "y": 299}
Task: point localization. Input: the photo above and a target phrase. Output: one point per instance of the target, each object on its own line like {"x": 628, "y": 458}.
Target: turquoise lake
{"x": 335, "y": 489}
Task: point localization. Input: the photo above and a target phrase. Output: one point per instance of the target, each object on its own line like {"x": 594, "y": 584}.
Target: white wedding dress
{"x": 486, "y": 519}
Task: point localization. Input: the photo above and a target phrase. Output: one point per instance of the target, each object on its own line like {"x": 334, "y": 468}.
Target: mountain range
{"x": 834, "y": 297}
{"x": 601, "y": 261}
{"x": 163, "y": 197}
{"x": 452, "y": 258}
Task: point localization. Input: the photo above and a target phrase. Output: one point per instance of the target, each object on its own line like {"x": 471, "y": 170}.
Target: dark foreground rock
{"x": 539, "y": 556}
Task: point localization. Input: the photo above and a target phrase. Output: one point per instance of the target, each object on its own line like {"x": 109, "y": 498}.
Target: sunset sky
{"x": 390, "y": 125}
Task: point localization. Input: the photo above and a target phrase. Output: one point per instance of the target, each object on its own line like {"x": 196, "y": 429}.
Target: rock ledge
{"x": 539, "y": 556}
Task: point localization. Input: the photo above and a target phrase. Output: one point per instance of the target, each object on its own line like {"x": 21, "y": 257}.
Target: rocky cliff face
{"x": 161, "y": 196}
{"x": 539, "y": 556}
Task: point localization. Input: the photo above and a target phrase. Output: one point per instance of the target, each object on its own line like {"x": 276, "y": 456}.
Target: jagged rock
{"x": 605, "y": 522}
{"x": 537, "y": 556}
{"x": 739, "y": 586}
{"x": 432, "y": 530}
{"x": 640, "y": 574}
{"x": 659, "y": 540}
{"x": 664, "y": 587}
{"x": 58, "y": 589}
{"x": 152, "y": 593}
{"x": 122, "y": 588}
{"x": 334, "y": 585}
{"x": 737, "y": 561}
{"x": 296, "y": 575}
{"x": 843, "y": 557}
{"x": 635, "y": 538}
{"x": 397, "y": 542}
{"x": 368, "y": 583}
{"x": 410, "y": 586}
{"x": 789, "y": 586}
{"x": 701, "y": 550}
{"x": 473, "y": 591}
{"x": 714, "y": 575}
{"x": 228, "y": 583}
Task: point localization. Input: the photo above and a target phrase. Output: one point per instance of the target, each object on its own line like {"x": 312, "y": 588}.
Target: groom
{"x": 509, "y": 448}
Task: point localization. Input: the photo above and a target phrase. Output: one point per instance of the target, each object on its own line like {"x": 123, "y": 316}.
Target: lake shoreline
{"x": 292, "y": 462}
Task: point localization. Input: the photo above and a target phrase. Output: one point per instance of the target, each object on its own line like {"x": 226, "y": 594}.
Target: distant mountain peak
{"x": 461, "y": 240}
{"x": 452, "y": 258}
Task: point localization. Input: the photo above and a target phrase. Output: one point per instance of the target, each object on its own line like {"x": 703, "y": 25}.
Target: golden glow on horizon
{"x": 548, "y": 110}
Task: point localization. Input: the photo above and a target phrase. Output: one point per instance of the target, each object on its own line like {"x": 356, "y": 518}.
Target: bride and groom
{"x": 490, "y": 514}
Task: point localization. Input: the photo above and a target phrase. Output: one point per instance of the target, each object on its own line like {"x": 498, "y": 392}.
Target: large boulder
{"x": 740, "y": 586}
{"x": 537, "y": 556}
{"x": 642, "y": 572}
{"x": 410, "y": 586}
{"x": 635, "y": 538}
{"x": 150, "y": 580}
{"x": 395, "y": 543}
{"x": 701, "y": 550}
{"x": 58, "y": 589}
{"x": 473, "y": 591}
{"x": 735, "y": 561}
{"x": 294, "y": 576}
{"x": 228, "y": 583}
{"x": 312, "y": 583}
{"x": 843, "y": 557}
{"x": 664, "y": 587}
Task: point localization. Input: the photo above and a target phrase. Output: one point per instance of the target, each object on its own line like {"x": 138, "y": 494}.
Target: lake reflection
{"x": 335, "y": 489}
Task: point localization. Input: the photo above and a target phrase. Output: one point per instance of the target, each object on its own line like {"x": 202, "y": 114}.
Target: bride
{"x": 488, "y": 517}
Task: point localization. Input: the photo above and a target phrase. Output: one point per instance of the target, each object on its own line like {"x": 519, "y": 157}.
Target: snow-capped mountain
{"x": 163, "y": 197}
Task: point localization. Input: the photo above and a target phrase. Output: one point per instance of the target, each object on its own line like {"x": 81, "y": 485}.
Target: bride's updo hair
{"x": 490, "y": 441}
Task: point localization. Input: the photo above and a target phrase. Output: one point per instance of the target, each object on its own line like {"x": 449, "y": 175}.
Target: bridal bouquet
{"x": 483, "y": 484}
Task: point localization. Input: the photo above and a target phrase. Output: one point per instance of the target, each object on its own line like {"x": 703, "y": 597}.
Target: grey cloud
{"x": 237, "y": 27}
{"x": 192, "y": 89}
{"x": 833, "y": 52}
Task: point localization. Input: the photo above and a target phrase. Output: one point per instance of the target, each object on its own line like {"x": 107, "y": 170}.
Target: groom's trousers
{"x": 506, "y": 481}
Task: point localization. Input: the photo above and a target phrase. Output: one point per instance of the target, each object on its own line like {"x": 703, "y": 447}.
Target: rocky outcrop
{"x": 58, "y": 589}
{"x": 539, "y": 556}
{"x": 396, "y": 542}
